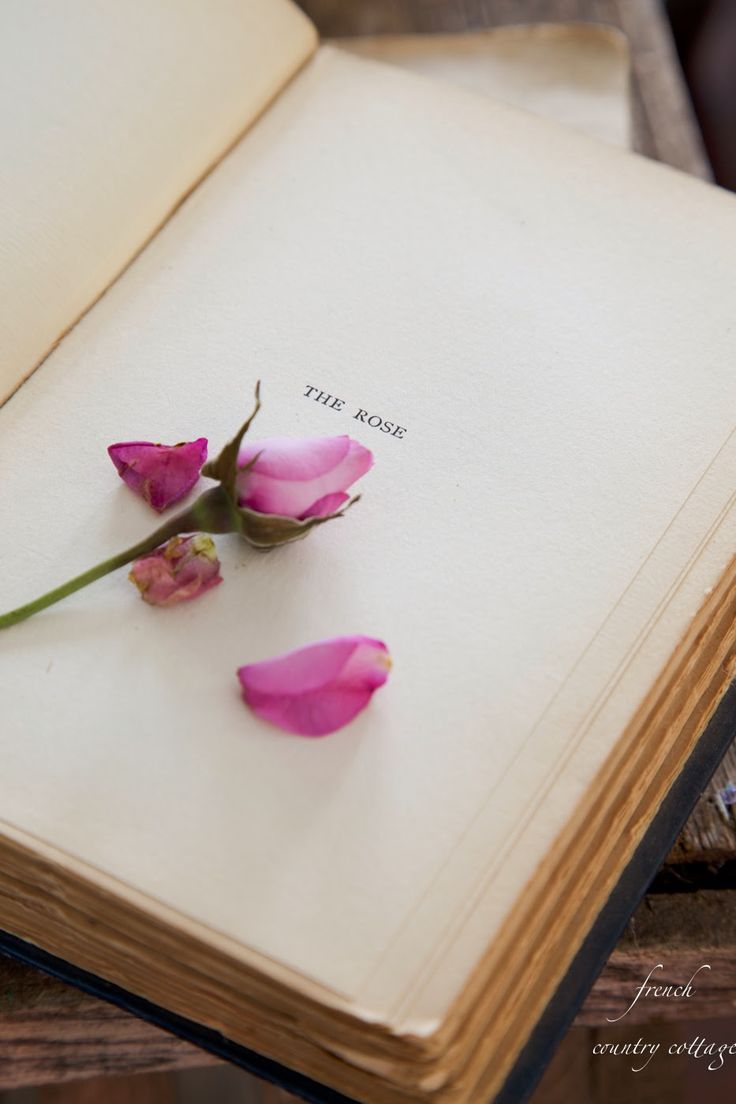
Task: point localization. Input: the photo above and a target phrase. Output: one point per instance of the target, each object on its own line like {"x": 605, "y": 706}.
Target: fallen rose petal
{"x": 298, "y": 477}
{"x": 161, "y": 474}
{"x": 319, "y": 688}
{"x": 178, "y": 571}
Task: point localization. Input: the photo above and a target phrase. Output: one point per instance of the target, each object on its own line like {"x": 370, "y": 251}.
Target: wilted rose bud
{"x": 300, "y": 477}
{"x": 178, "y": 571}
{"x": 319, "y": 688}
{"x": 161, "y": 474}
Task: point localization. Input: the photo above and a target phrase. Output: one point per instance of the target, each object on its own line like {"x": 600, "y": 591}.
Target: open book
{"x": 547, "y": 549}
{"x": 574, "y": 73}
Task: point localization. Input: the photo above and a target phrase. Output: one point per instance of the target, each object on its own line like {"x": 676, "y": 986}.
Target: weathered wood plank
{"x": 683, "y": 932}
{"x": 569, "y": 1076}
{"x": 710, "y": 833}
{"x": 157, "y": 1088}
{"x": 50, "y": 1032}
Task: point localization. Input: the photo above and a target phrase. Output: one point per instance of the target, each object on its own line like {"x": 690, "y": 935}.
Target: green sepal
{"x": 218, "y": 510}
{"x": 225, "y": 467}
{"x": 270, "y": 530}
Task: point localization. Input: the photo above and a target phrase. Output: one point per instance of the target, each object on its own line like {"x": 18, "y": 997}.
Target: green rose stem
{"x": 218, "y": 510}
{"x": 211, "y": 513}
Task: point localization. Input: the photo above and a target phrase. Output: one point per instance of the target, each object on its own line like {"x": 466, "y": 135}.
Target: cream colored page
{"x": 574, "y": 73}
{"x": 537, "y": 313}
{"x": 109, "y": 113}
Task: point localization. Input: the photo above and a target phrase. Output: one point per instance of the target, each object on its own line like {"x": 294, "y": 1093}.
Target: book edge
{"x": 561, "y": 1009}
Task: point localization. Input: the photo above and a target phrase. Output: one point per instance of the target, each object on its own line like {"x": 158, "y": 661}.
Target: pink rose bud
{"x": 300, "y": 477}
{"x": 319, "y": 688}
{"x": 178, "y": 571}
{"x": 161, "y": 474}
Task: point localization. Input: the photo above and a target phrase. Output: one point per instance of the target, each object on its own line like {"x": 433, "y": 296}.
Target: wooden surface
{"x": 710, "y": 834}
{"x": 682, "y": 931}
{"x": 51, "y": 1033}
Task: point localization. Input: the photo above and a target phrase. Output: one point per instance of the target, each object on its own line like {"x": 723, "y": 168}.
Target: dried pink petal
{"x": 161, "y": 474}
{"x": 319, "y": 688}
{"x": 180, "y": 570}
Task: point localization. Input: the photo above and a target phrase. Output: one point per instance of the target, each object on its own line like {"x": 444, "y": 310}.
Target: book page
{"x": 539, "y": 314}
{"x": 110, "y": 113}
{"x": 574, "y": 73}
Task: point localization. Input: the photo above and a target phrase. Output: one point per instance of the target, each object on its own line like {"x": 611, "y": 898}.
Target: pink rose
{"x": 161, "y": 474}
{"x": 319, "y": 688}
{"x": 300, "y": 477}
{"x": 178, "y": 571}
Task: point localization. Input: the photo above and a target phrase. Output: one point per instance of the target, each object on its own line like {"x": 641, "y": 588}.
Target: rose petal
{"x": 180, "y": 570}
{"x": 323, "y": 507}
{"x": 161, "y": 474}
{"x": 319, "y": 688}
{"x": 295, "y": 458}
{"x": 289, "y": 477}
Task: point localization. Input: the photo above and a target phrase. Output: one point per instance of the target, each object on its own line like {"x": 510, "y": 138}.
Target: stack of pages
{"x": 196, "y": 197}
